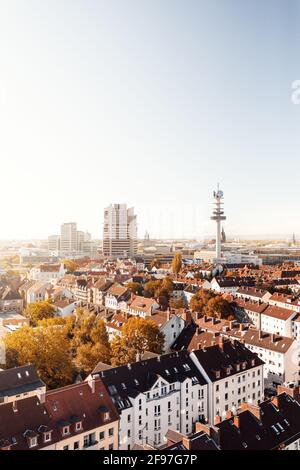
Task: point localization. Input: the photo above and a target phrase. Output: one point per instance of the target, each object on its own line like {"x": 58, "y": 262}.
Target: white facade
{"x": 164, "y": 406}
{"x": 53, "y": 276}
{"x": 228, "y": 393}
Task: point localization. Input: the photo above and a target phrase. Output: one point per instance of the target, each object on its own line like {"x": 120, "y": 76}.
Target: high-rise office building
{"x": 54, "y": 243}
{"x": 119, "y": 232}
{"x": 68, "y": 238}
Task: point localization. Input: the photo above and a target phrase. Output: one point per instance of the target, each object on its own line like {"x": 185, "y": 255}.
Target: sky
{"x": 150, "y": 103}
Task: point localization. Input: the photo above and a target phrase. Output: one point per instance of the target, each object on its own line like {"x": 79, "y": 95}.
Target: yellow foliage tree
{"x": 177, "y": 263}
{"x": 137, "y": 336}
{"x": 39, "y": 311}
{"x": 47, "y": 347}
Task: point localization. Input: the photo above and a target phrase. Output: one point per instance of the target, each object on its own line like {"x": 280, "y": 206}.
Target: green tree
{"x": 39, "y": 311}
{"x": 137, "y": 336}
{"x": 177, "y": 263}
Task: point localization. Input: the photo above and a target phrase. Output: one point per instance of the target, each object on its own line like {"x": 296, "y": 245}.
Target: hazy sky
{"x": 149, "y": 103}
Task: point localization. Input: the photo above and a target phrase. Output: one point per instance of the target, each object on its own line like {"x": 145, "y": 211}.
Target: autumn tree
{"x": 70, "y": 265}
{"x": 199, "y": 301}
{"x": 38, "y": 311}
{"x": 219, "y": 307}
{"x": 177, "y": 263}
{"x": 47, "y": 347}
{"x": 156, "y": 263}
{"x": 152, "y": 288}
{"x": 90, "y": 342}
{"x": 135, "y": 287}
{"x": 176, "y": 303}
{"x": 137, "y": 336}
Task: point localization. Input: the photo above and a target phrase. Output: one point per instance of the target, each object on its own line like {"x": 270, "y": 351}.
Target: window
{"x": 78, "y": 426}
{"x": 129, "y": 418}
{"x": 66, "y": 430}
{"x": 140, "y": 420}
{"x": 101, "y": 435}
{"x": 76, "y": 445}
{"x": 111, "y": 447}
{"x": 217, "y": 388}
{"x": 65, "y": 447}
{"x": 47, "y": 437}
{"x": 169, "y": 406}
{"x": 33, "y": 442}
{"x": 128, "y": 433}
{"x": 111, "y": 432}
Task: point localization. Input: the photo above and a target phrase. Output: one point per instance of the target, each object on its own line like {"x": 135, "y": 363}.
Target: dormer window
{"x": 47, "y": 437}
{"x": 78, "y": 426}
{"x": 65, "y": 430}
{"x": 33, "y": 441}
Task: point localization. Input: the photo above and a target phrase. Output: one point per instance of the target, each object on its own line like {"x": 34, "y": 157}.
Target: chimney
{"x": 253, "y": 409}
{"x": 290, "y": 389}
{"x": 187, "y": 317}
{"x": 92, "y": 383}
{"x": 221, "y": 343}
{"x": 231, "y": 324}
{"x": 212, "y": 431}
{"x": 168, "y": 314}
{"x": 273, "y": 338}
{"x": 15, "y": 406}
{"x": 236, "y": 421}
{"x": 260, "y": 335}
{"x": 218, "y": 419}
{"x": 187, "y": 443}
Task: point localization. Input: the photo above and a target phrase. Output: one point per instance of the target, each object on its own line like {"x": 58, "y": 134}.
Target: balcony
{"x": 93, "y": 445}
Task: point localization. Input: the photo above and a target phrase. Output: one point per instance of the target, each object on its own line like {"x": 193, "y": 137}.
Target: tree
{"x": 176, "y": 303}
{"x": 152, "y": 288}
{"x": 135, "y": 287}
{"x": 219, "y": 307}
{"x": 38, "y": 311}
{"x": 70, "y": 265}
{"x": 137, "y": 336}
{"x": 177, "y": 263}
{"x": 90, "y": 342}
{"x": 156, "y": 263}
{"x": 47, "y": 347}
{"x": 199, "y": 301}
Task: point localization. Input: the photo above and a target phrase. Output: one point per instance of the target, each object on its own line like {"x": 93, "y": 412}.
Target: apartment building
{"x": 234, "y": 375}
{"x": 154, "y": 395}
{"x": 76, "y": 417}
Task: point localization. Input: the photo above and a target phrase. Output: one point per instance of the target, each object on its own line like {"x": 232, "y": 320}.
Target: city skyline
{"x": 96, "y": 107}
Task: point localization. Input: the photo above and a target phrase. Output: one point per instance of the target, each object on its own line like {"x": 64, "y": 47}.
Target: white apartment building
{"x": 234, "y": 375}
{"x": 253, "y": 294}
{"x": 278, "y": 320}
{"x": 116, "y": 297}
{"x": 155, "y": 395}
{"x": 119, "y": 232}
{"x": 48, "y": 273}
